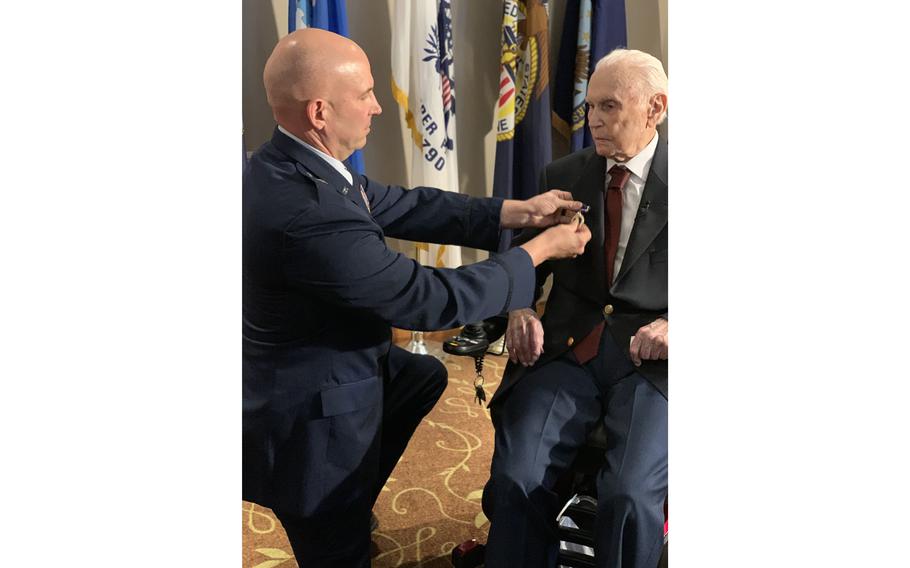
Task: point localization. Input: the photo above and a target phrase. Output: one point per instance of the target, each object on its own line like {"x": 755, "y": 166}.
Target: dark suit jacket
{"x": 320, "y": 292}
{"x": 579, "y": 297}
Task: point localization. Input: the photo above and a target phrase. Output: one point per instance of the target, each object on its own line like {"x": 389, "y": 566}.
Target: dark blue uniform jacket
{"x": 320, "y": 292}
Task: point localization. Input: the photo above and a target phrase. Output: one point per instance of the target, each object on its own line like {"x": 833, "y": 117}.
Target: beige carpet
{"x": 431, "y": 503}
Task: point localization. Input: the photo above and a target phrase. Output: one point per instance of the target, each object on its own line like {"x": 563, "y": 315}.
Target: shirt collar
{"x": 334, "y": 162}
{"x": 640, "y": 164}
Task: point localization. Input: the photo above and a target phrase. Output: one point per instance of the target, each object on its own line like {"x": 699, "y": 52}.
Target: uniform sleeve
{"x": 343, "y": 260}
{"x": 431, "y": 215}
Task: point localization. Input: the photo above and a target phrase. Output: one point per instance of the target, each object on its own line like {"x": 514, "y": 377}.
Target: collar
{"x": 640, "y": 163}
{"x": 334, "y": 162}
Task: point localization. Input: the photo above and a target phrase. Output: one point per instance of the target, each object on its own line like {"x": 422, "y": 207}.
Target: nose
{"x": 378, "y": 109}
{"x": 593, "y": 117}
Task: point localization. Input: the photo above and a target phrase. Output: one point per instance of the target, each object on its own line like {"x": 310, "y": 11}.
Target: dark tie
{"x": 619, "y": 175}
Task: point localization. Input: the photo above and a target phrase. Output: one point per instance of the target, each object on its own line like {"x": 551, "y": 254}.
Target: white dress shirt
{"x": 335, "y": 163}
{"x": 639, "y": 165}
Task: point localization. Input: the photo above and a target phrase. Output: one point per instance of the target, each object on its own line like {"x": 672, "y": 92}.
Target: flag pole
{"x": 417, "y": 345}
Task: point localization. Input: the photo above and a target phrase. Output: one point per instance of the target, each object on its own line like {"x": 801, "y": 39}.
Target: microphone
{"x": 643, "y": 209}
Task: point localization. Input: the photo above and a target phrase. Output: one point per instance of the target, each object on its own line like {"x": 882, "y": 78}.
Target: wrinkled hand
{"x": 649, "y": 342}
{"x": 551, "y": 208}
{"x": 524, "y": 337}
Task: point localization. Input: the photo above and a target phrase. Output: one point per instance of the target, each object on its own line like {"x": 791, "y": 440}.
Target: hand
{"x": 545, "y": 210}
{"x": 561, "y": 241}
{"x": 649, "y": 342}
{"x": 524, "y": 337}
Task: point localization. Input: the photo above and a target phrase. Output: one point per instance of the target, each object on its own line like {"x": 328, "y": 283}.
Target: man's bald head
{"x": 320, "y": 89}
{"x": 306, "y": 64}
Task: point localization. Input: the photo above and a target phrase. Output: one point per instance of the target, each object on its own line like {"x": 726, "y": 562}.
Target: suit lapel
{"x": 653, "y": 218}
{"x": 590, "y": 190}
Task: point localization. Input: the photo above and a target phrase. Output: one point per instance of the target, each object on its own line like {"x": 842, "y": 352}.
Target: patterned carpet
{"x": 431, "y": 503}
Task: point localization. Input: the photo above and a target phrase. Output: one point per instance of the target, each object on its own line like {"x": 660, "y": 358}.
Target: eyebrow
{"x": 604, "y": 100}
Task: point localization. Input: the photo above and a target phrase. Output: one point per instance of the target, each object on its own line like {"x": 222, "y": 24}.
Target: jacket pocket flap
{"x": 350, "y": 397}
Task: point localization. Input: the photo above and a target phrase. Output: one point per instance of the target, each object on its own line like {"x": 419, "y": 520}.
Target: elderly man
{"x": 328, "y": 404}
{"x": 600, "y": 352}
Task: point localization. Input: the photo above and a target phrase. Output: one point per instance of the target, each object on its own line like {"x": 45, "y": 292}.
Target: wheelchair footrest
{"x": 576, "y": 524}
{"x": 576, "y": 535}
{"x": 583, "y": 513}
{"x": 571, "y": 559}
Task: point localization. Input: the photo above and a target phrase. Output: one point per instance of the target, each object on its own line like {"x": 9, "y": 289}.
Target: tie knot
{"x": 619, "y": 175}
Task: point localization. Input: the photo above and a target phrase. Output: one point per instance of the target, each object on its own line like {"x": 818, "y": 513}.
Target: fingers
{"x": 564, "y": 200}
{"x": 634, "y": 346}
{"x": 650, "y": 343}
{"x": 512, "y": 341}
{"x": 646, "y": 351}
{"x": 534, "y": 343}
{"x": 527, "y": 347}
{"x": 515, "y": 342}
{"x": 524, "y": 338}
{"x": 584, "y": 233}
{"x": 566, "y": 216}
{"x": 537, "y": 340}
{"x": 570, "y": 204}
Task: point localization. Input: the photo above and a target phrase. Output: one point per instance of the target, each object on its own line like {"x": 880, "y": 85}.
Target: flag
{"x": 423, "y": 86}
{"x": 325, "y": 15}
{"x": 592, "y": 29}
{"x": 523, "y": 144}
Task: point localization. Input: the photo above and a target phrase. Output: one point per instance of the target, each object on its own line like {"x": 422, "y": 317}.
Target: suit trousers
{"x": 541, "y": 424}
{"x": 412, "y": 385}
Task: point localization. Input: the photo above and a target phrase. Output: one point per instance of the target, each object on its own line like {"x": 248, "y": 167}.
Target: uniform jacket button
{"x": 608, "y": 309}
{"x": 570, "y": 341}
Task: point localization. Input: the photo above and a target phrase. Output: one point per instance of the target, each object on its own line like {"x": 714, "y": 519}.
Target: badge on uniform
{"x": 366, "y": 201}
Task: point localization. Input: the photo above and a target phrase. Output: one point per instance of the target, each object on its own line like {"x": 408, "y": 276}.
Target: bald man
{"x": 328, "y": 403}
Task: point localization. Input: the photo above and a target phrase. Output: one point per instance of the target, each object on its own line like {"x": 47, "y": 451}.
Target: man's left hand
{"x": 544, "y": 210}
{"x": 650, "y": 342}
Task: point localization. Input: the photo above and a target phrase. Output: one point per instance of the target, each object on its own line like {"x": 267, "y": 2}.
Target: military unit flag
{"x": 423, "y": 86}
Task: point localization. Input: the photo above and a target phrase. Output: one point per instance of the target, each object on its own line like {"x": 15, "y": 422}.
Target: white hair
{"x": 640, "y": 71}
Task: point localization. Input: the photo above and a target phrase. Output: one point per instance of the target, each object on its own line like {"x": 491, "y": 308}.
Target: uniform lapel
{"x": 652, "y": 215}
{"x": 314, "y": 167}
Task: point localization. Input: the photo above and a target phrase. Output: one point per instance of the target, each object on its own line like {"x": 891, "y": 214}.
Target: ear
{"x": 316, "y": 113}
{"x": 656, "y": 108}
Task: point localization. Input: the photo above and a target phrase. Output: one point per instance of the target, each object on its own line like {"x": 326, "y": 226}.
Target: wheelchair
{"x": 577, "y": 487}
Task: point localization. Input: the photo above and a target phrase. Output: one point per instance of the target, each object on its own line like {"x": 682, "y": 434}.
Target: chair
{"x": 577, "y": 487}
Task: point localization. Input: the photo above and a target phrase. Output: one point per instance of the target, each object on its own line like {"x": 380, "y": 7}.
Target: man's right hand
{"x": 524, "y": 336}
{"x": 561, "y": 241}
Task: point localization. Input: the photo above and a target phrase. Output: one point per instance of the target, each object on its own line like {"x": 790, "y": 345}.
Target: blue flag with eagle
{"x": 326, "y": 15}
{"x": 523, "y": 144}
{"x": 592, "y": 29}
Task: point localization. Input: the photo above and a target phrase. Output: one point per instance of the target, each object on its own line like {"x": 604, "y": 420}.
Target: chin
{"x": 604, "y": 149}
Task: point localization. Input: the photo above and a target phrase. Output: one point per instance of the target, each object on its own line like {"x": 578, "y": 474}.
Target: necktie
{"x": 587, "y": 348}
{"x": 619, "y": 175}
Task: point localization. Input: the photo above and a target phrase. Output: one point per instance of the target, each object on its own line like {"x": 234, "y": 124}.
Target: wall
{"x": 477, "y": 43}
